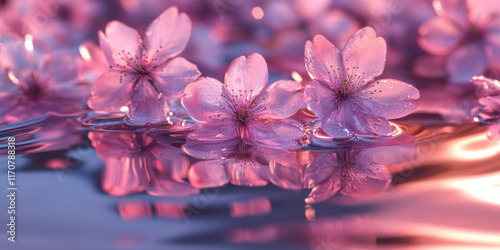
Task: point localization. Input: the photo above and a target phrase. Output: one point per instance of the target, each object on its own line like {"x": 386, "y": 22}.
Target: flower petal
{"x": 482, "y": 11}
{"x": 120, "y": 40}
{"x": 366, "y": 51}
{"x": 208, "y": 174}
{"x": 322, "y": 59}
{"x": 275, "y": 133}
{"x": 111, "y": 91}
{"x": 14, "y": 55}
{"x": 389, "y": 98}
{"x": 167, "y": 35}
{"x": 455, "y": 10}
{"x": 279, "y": 100}
{"x": 246, "y": 77}
{"x": 206, "y": 99}
{"x": 439, "y": 36}
{"x": 214, "y": 130}
{"x": 466, "y": 62}
{"x": 347, "y": 121}
{"x": 334, "y": 126}
{"x": 172, "y": 78}
{"x": 147, "y": 104}
{"x": 319, "y": 98}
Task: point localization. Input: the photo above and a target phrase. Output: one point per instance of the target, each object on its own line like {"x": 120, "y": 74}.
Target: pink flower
{"x": 34, "y": 84}
{"x": 343, "y": 93}
{"x": 467, "y": 32}
{"x": 143, "y": 74}
{"x": 488, "y": 112}
{"x": 244, "y": 106}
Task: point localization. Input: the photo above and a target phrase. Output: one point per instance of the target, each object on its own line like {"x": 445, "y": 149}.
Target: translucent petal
{"x": 275, "y": 133}
{"x": 246, "y": 77}
{"x": 319, "y": 98}
{"x": 206, "y": 99}
{"x": 120, "y": 40}
{"x": 147, "y": 104}
{"x": 323, "y": 60}
{"x": 172, "y": 78}
{"x": 279, "y": 100}
{"x": 111, "y": 91}
{"x": 389, "y": 98}
{"x": 167, "y": 35}
{"x": 366, "y": 51}
{"x": 214, "y": 130}
{"x": 439, "y": 36}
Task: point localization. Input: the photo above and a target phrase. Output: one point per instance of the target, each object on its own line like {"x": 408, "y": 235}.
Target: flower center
{"x": 137, "y": 62}
{"x": 346, "y": 83}
{"x": 475, "y": 34}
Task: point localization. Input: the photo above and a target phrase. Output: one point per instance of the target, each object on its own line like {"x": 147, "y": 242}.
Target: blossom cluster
{"x": 170, "y": 74}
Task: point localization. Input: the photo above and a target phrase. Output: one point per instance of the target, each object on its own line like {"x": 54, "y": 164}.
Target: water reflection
{"x": 131, "y": 210}
{"x": 243, "y": 164}
{"x": 44, "y": 134}
{"x": 348, "y": 172}
{"x": 135, "y": 162}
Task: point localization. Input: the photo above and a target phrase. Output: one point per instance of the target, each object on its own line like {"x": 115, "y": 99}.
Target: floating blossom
{"x": 488, "y": 112}
{"x": 343, "y": 93}
{"x": 244, "y": 106}
{"x": 135, "y": 162}
{"x": 349, "y": 173}
{"x": 34, "y": 84}
{"x": 142, "y": 75}
{"x": 242, "y": 164}
{"x": 467, "y": 33}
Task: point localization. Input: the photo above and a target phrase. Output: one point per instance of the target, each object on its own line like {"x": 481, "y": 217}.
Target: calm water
{"x": 431, "y": 186}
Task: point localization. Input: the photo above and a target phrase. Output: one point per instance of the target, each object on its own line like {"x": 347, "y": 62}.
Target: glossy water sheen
{"x": 431, "y": 185}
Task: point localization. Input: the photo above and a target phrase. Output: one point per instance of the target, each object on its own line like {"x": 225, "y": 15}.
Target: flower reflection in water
{"x": 243, "y": 164}
{"x": 42, "y": 135}
{"x": 135, "y": 162}
{"x": 348, "y": 172}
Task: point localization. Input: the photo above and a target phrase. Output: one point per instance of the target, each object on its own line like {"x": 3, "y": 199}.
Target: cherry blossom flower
{"x": 467, "y": 33}
{"x": 244, "y": 106}
{"x": 34, "y": 84}
{"x": 343, "y": 93}
{"x": 488, "y": 111}
{"x": 143, "y": 74}
{"x": 243, "y": 164}
{"x": 135, "y": 162}
{"x": 348, "y": 172}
